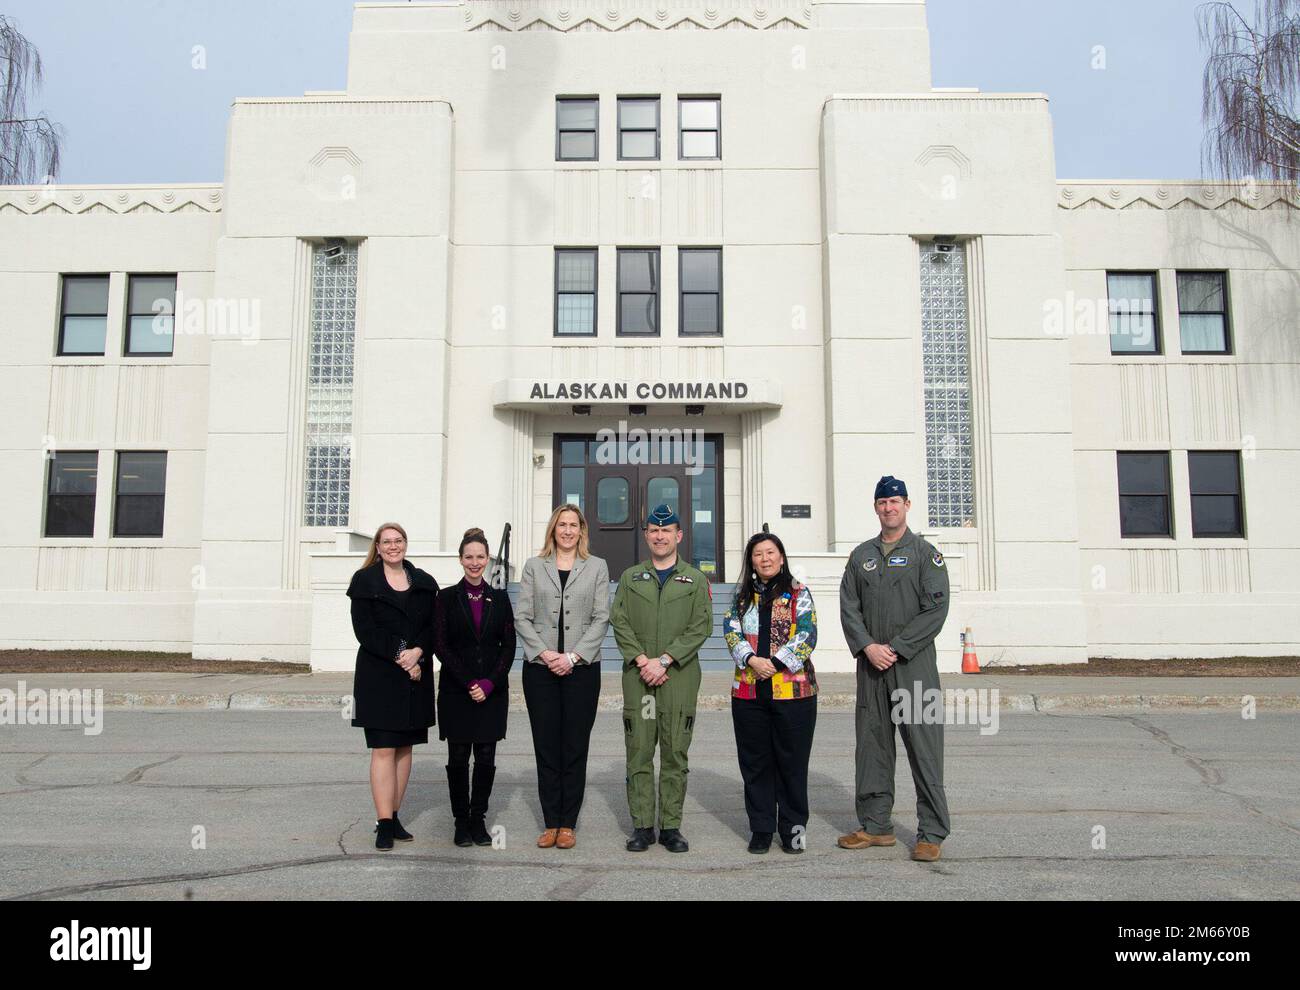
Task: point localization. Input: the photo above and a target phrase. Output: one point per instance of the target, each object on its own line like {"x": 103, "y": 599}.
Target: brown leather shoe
{"x": 548, "y": 838}
{"x": 926, "y": 852}
{"x": 566, "y": 839}
{"x": 865, "y": 840}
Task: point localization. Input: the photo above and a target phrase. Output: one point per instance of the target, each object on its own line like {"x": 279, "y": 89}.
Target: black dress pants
{"x": 774, "y": 744}
{"x": 561, "y": 712}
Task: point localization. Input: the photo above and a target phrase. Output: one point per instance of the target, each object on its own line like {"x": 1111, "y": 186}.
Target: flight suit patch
{"x": 938, "y": 559}
{"x": 683, "y": 579}
{"x": 898, "y": 561}
{"x": 871, "y": 565}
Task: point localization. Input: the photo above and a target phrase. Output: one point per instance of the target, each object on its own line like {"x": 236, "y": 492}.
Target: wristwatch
{"x": 665, "y": 661}
{"x": 573, "y": 659}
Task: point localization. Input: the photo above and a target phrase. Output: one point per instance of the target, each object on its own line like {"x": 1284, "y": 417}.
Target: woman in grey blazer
{"x": 561, "y": 619}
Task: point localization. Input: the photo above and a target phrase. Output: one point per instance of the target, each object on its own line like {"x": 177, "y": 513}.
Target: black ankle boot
{"x": 478, "y": 832}
{"x": 642, "y": 839}
{"x": 384, "y": 834}
{"x": 458, "y": 793}
{"x": 399, "y": 833}
{"x": 478, "y": 804}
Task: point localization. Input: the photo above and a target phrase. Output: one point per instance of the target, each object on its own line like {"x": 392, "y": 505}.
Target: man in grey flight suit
{"x": 893, "y": 603}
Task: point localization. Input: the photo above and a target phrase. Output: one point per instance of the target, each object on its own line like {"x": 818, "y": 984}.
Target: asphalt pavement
{"x": 190, "y": 802}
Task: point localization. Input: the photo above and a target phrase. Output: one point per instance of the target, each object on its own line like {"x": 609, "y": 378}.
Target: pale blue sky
{"x": 119, "y": 76}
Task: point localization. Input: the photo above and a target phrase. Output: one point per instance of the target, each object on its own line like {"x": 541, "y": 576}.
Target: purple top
{"x": 476, "y": 613}
{"x": 476, "y": 604}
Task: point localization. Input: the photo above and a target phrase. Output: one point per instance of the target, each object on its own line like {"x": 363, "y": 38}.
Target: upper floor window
{"x": 70, "y": 494}
{"x": 140, "y": 494}
{"x": 151, "y": 320}
{"x": 1144, "y": 494}
{"x": 638, "y": 128}
{"x": 575, "y": 292}
{"x": 700, "y": 278}
{"x": 1134, "y": 316}
{"x": 83, "y": 317}
{"x": 577, "y": 129}
{"x": 1203, "y": 312}
{"x": 1215, "y": 480}
{"x": 699, "y": 120}
{"x": 638, "y": 292}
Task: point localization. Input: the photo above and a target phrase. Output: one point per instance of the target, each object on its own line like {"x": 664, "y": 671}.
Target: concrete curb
{"x": 1023, "y": 703}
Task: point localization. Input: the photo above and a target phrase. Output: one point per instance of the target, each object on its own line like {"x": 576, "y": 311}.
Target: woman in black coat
{"x": 474, "y": 638}
{"x": 392, "y": 615}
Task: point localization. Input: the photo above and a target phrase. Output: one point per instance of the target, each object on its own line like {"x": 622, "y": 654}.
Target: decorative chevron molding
{"x": 1102, "y": 195}
{"x": 55, "y": 200}
{"x": 638, "y": 15}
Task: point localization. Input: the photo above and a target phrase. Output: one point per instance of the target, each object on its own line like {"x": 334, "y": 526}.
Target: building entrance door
{"x": 617, "y": 497}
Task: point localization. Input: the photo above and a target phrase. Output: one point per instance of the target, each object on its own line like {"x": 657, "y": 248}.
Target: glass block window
{"x": 945, "y": 347}
{"x": 327, "y": 491}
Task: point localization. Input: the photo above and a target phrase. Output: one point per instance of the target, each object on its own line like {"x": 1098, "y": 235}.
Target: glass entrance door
{"x": 616, "y": 498}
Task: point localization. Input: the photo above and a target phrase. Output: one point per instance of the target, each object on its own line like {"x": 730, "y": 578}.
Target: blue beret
{"x": 889, "y": 487}
{"x": 663, "y": 516}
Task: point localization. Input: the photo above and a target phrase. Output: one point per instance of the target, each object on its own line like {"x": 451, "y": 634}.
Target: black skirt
{"x": 396, "y": 738}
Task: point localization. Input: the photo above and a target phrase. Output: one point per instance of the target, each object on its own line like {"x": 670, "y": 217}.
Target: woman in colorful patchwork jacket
{"x": 771, "y": 630}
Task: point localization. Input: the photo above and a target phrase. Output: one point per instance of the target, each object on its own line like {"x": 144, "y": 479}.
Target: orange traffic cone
{"x": 970, "y": 662}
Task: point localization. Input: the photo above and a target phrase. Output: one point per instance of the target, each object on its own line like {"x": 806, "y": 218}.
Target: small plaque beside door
{"x": 796, "y": 512}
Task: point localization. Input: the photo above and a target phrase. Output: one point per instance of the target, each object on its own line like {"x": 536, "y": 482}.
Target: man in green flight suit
{"x": 893, "y": 603}
{"x": 662, "y": 614}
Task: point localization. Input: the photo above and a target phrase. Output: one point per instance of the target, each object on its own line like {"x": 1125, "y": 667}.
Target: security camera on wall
{"x": 334, "y": 249}
{"x": 943, "y": 247}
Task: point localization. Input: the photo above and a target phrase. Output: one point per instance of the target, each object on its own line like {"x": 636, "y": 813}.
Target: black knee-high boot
{"x": 478, "y": 803}
{"x": 458, "y": 791}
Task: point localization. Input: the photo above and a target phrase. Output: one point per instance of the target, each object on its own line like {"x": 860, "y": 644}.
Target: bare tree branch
{"x": 30, "y": 144}
{"x": 1251, "y": 90}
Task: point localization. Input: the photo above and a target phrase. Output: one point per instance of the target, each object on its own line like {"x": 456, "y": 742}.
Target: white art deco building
{"x": 526, "y": 222}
